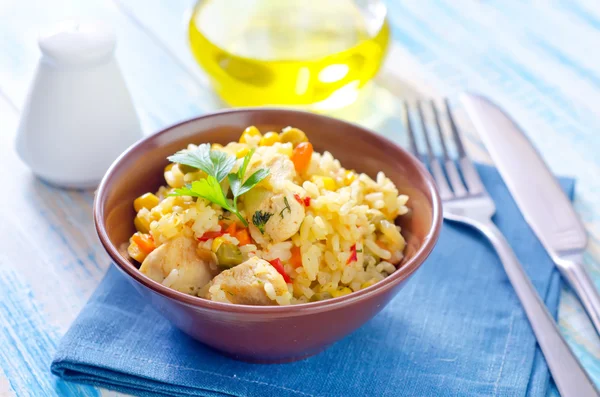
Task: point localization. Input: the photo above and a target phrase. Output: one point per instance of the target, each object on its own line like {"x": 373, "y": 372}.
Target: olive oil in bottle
{"x": 310, "y": 53}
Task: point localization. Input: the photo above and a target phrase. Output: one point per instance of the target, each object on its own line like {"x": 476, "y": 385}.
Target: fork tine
{"x": 434, "y": 164}
{"x": 411, "y": 134}
{"x": 470, "y": 175}
{"x": 457, "y": 185}
{"x": 430, "y": 155}
{"x": 457, "y": 141}
{"x": 439, "y": 129}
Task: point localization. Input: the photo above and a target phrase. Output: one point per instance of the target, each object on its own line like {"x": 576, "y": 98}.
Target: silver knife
{"x": 544, "y": 205}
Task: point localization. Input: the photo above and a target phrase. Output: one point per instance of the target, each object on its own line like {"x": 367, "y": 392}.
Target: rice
{"x": 347, "y": 238}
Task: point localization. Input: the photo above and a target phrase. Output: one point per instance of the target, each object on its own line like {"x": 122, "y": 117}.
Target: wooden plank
{"x": 51, "y": 245}
{"x": 43, "y": 287}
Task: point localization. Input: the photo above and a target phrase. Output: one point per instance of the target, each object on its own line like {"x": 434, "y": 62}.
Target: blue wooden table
{"x": 539, "y": 61}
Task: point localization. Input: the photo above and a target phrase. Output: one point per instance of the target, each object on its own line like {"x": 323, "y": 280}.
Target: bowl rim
{"x": 289, "y": 310}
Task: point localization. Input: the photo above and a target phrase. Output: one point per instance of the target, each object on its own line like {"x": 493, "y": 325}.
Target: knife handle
{"x": 574, "y": 273}
{"x": 567, "y": 372}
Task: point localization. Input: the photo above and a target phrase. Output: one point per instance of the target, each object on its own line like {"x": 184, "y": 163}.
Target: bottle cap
{"x": 78, "y": 42}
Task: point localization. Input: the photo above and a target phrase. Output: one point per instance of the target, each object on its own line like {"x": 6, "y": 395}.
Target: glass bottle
{"x": 315, "y": 54}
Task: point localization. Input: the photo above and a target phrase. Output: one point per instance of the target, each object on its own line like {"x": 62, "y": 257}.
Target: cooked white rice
{"x": 356, "y": 217}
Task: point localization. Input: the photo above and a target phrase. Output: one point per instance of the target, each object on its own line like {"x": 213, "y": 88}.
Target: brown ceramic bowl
{"x": 268, "y": 333}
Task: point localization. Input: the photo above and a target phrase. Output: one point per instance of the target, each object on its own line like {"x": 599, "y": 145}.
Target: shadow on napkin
{"x": 456, "y": 328}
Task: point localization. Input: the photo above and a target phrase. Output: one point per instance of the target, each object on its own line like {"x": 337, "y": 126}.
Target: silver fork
{"x": 469, "y": 203}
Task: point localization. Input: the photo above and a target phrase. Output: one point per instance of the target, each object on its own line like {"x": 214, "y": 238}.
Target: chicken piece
{"x": 273, "y": 217}
{"x": 254, "y": 282}
{"x": 180, "y": 254}
{"x": 279, "y": 213}
{"x": 281, "y": 170}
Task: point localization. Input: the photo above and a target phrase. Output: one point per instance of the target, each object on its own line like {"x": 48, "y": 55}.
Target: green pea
{"x": 229, "y": 255}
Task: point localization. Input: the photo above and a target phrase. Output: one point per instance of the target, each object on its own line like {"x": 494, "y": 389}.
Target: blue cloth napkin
{"x": 456, "y": 328}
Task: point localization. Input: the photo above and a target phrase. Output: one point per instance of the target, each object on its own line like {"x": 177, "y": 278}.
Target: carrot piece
{"x": 144, "y": 242}
{"x": 231, "y": 229}
{"x": 301, "y": 156}
{"x": 296, "y": 259}
{"x": 243, "y": 237}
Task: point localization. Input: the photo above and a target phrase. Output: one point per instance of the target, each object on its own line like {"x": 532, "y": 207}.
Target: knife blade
{"x": 543, "y": 203}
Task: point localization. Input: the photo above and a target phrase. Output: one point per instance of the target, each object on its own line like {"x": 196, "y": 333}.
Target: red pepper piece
{"x": 276, "y": 263}
{"x": 210, "y": 235}
{"x": 303, "y": 201}
{"x": 353, "y": 257}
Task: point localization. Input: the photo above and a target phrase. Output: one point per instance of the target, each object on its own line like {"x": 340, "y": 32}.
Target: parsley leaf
{"x": 242, "y": 171}
{"x": 208, "y": 189}
{"x": 217, "y": 165}
{"x": 259, "y": 219}
{"x": 235, "y": 184}
{"x": 212, "y": 162}
{"x": 183, "y": 191}
{"x": 235, "y": 180}
{"x": 237, "y": 188}
{"x": 287, "y": 207}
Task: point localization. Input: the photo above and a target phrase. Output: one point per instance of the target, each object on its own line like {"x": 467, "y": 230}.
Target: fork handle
{"x": 575, "y": 274}
{"x": 569, "y": 376}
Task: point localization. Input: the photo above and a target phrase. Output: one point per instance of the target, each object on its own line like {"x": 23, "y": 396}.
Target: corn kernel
{"x": 242, "y": 152}
{"x": 367, "y": 284}
{"x": 186, "y": 169}
{"x": 194, "y": 176}
{"x": 168, "y": 167}
{"x": 174, "y": 176}
{"x": 341, "y": 292}
{"x": 269, "y": 139}
{"x": 287, "y": 149}
{"x": 349, "y": 177}
{"x": 248, "y": 132}
{"x": 146, "y": 200}
{"x": 216, "y": 244}
{"x": 328, "y": 183}
{"x": 293, "y": 135}
{"x": 141, "y": 224}
{"x": 216, "y": 146}
{"x": 136, "y": 253}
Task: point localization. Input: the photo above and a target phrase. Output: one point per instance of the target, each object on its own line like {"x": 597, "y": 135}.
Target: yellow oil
{"x": 312, "y": 53}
